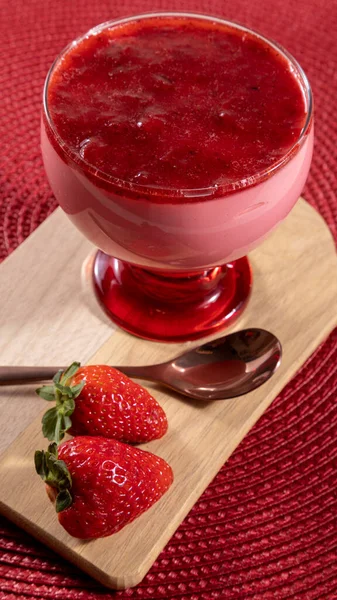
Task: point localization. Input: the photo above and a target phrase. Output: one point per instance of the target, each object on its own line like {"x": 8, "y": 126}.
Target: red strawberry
{"x": 99, "y": 400}
{"x": 100, "y": 485}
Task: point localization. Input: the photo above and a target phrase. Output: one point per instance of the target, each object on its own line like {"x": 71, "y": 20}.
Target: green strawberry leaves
{"x": 58, "y": 375}
{"x": 63, "y": 500}
{"x": 68, "y": 373}
{"x": 56, "y": 421}
{"x": 46, "y": 392}
{"x": 54, "y": 472}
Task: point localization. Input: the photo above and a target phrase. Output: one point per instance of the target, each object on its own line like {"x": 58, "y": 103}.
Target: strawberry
{"x": 99, "y": 485}
{"x": 99, "y": 400}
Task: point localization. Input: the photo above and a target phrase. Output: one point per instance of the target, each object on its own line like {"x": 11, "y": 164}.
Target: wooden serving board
{"x": 49, "y": 317}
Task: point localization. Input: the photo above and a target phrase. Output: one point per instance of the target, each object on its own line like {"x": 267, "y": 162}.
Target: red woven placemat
{"x": 266, "y": 527}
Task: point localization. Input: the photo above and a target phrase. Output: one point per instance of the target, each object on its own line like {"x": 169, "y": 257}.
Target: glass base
{"x": 171, "y": 307}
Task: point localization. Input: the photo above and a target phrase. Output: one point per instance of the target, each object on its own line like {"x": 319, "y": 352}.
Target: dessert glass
{"x": 171, "y": 264}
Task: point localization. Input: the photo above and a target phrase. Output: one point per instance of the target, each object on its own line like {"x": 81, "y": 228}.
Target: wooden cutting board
{"x": 49, "y": 316}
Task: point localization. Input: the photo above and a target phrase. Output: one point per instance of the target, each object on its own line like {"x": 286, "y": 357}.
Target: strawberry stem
{"x": 56, "y": 421}
{"x": 54, "y": 473}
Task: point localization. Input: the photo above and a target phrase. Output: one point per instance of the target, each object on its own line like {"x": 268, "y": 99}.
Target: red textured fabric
{"x": 265, "y": 528}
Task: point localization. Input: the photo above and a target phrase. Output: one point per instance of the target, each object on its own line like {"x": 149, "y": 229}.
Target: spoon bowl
{"x": 226, "y": 367}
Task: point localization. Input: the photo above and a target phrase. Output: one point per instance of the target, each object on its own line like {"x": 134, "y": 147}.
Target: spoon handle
{"x": 24, "y": 375}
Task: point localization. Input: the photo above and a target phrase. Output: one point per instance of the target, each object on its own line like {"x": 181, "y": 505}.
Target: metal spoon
{"x": 227, "y": 367}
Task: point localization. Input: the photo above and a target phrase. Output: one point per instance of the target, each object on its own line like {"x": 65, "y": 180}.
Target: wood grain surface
{"x": 49, "y": 316}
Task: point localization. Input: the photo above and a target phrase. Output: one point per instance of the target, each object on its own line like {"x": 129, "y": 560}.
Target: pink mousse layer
{"x": 181, "y": 236}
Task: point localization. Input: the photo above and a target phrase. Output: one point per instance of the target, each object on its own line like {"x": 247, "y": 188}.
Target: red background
{"x": 266, "y": 527}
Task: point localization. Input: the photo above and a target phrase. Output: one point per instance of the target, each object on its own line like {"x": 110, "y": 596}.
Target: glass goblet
{"x": 171, "y": 264}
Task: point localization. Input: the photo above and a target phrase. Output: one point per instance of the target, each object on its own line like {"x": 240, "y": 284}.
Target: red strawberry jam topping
{"x": 176, "y": 102}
